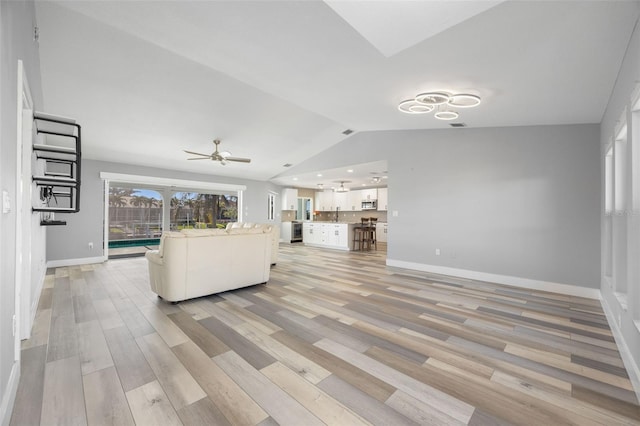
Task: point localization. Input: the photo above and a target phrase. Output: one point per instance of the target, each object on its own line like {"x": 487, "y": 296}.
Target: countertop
{"x": 337, "y": 223}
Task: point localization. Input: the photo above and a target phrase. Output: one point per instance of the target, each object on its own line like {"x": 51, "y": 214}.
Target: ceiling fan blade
{"x": 196, "y": 153}
{"x": 198, "y": 158}
{"x": 238, "y": 159}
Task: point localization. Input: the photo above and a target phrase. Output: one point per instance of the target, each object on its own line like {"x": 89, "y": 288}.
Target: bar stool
{"x": 373, "y": 237}
{"x": 360, "y": 235}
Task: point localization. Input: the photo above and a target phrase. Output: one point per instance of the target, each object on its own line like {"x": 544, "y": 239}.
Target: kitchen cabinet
{"x": 289, "y": 199}
{"x": 383, "y": 194}
{"x": 341, "y": 201}
{"x": 325, "y": 201}
{"x": 336, "y": 234}
{"x": 368, "y": 194}
{"x": 354, "y": 200}
{"x": 311, "y": 233}
{"x": 381, "y": 232}
{"x": 328, "y": 235}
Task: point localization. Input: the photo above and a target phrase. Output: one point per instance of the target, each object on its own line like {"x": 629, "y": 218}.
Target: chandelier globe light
{"x": 443, "y": 101}
{"x": 341, "y": 188}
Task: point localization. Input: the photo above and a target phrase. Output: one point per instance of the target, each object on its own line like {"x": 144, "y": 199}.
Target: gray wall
{"x": 17, "y": 20}
{"x": 516, "y": 201}
{"x": 626, "y": 247}
{"x": 72, "y": 241}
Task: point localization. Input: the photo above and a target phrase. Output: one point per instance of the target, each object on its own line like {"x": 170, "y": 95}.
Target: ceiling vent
{"x": 457, "y": 125}
{"x": 347, "y": 132}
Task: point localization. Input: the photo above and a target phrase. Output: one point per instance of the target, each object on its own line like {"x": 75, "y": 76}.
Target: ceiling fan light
{"x": 225, "y": 154}
{"x": 446, "y": 115}
{"x": 433, "y": 98}
{"x": 464, "y": 100}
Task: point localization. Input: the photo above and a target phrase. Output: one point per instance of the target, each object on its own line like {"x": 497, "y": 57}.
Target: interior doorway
{"x": 305, "y": 208}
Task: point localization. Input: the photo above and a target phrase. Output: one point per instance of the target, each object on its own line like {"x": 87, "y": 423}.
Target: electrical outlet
{"x": 91, "y": 246}
{"x": 437, "y": 252}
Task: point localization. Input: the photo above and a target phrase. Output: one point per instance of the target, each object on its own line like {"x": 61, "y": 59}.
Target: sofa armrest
{"x": 154, "y": 256}
{"x": 156, "y": 265}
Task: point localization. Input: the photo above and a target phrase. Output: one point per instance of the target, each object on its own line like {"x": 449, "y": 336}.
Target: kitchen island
{"x": 334, "y": 235}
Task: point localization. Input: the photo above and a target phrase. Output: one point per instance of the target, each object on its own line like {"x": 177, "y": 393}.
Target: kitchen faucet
{"x": 337, "y": 210}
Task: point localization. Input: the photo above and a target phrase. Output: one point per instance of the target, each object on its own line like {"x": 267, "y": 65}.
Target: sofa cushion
{"x": 203, "y": 232}
{"x": 245, "y": 231}
{"x": 167, "y": 234}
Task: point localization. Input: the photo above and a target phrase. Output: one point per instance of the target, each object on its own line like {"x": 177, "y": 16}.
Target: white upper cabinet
{"x": 324, "y": 201}
{"x": 368, "y": 194}
{"x": 289, "y": 199}
{"x": 341, "y": 201}
{"x": 383, "y": 195}
{"x": 354, "y": 201}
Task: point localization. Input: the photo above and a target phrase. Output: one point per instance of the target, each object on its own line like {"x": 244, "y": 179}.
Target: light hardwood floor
{"x": 333, "y": 338}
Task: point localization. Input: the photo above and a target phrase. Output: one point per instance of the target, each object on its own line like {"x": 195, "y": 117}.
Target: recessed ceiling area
{"x": 279, "y": 82}
{"x": 356, "y": 176}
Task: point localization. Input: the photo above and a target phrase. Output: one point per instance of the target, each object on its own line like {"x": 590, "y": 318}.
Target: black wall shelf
{"x": 58, "y": 162}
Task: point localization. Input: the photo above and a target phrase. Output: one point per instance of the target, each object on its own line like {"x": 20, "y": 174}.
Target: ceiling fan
{"x": 223, "y": 157}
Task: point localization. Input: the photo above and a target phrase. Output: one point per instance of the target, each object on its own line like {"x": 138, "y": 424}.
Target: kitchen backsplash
{"x": 290, "y": 215}
{"x": 348, "y": 216}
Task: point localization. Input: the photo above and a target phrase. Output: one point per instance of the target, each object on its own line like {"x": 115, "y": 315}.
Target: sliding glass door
{"x": 135, "y": 217}
{"x": 198, "y": 210}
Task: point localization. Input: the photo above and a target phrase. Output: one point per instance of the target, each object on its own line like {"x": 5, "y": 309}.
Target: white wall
{"x": 17, "y": 19}
{"x": 519, "y": 202}
{"x": 71, "y": 242}
{"x": 516, "y": 202}
{"x": 621, "y": 293}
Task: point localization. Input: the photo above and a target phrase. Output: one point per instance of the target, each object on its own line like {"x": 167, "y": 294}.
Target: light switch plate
{"x": 6, "y": 202}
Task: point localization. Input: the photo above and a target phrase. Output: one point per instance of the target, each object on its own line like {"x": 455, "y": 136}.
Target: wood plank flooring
{"x": 334, "y": 338}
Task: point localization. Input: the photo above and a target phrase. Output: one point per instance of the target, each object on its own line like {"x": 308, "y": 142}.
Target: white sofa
{"x": 195, "y": 263}
{"x": 275, "y": 232}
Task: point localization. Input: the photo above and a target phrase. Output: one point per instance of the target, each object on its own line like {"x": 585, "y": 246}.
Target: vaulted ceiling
{"x": 279, "y": 81}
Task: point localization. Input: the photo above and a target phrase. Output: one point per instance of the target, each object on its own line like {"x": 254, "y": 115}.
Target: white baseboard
{"x": 6, "y": 409}
{"x": 629, "y": 363}
{"x": 74, "y": 262}
{"x": 571, "y": 290}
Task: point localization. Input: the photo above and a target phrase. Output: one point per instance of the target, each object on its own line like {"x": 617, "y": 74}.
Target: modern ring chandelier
{"x": 443, "y": 102}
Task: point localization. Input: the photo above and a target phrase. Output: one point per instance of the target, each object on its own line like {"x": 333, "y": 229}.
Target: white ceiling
{"x": 278, "y": 81}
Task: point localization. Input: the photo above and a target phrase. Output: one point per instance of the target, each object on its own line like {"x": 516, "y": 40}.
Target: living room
{"x": 523, "y": 205}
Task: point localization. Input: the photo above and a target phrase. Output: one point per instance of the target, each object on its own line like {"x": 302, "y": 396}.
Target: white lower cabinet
{"x": 381, "y": 232}
{"x": 330, "y": 235}
{"x": 311, "y": 233}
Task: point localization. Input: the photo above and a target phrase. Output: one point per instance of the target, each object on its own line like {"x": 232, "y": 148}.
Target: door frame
{"x": 23, "y": 211}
